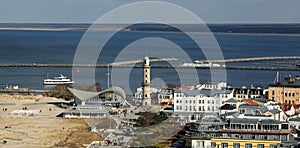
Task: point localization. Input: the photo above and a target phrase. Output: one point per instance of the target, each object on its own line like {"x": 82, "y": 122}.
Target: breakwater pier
{"x": 253, "y": 59}
{"x": 157, "y": 66}
{"x": 134, "y": 64}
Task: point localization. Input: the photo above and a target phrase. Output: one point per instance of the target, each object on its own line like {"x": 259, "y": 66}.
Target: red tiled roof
{"x": 286, "y": 107}
{"x": 250, "y": 102}
{"x": 296, "y": 106}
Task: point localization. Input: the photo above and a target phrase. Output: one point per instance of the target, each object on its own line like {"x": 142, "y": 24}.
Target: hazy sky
{"x": 211, "y": 11}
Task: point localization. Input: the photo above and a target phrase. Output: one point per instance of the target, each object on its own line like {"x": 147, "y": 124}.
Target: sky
{"x": 210, "y": 11}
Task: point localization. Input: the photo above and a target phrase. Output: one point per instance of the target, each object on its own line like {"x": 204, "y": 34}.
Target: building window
{"x": 284, "y": 126}
{"x": 199, "y": 144}
{"x": 236, "y": 145}
{"x": 273, "y": 92}
{"x": 199, "y": 101}
{"x": 260, "y": 145}
{"x": 202, "y": 101}
{"x": 208, "y": 108}
{"x": 224, "y": 145}
{"x": 193, "y": 117}
{"x": 199, "y": 108}
{"x": 213, "y": 144}
{"x": 273, "y": 146}
{"x": 248, "y": 145}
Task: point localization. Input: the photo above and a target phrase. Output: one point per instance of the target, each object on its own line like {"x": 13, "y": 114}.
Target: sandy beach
{"x": 41, "y": 129}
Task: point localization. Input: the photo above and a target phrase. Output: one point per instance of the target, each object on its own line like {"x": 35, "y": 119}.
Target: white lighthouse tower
{"x": 146, "y": 82}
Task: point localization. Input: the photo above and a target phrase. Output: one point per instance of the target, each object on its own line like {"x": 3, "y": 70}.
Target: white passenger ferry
{"x": 198, "y": 63}
{"x": 61, "y": 80}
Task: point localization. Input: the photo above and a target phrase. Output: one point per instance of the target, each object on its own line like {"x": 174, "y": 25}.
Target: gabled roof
{"x": 210, "y": 119}
{"x": 294, "y": 119}
{"x": 188, "y": 92}
{"x": 212, "y": 92}
{"x": 249, "y": 106}
{"x": 231, "y": 100}
{"x": 227, "y": 107}
{"x": 275, "y": 111}
{"x": 206, "y": 92}
{"x": 263, "y": 109}
{"x": 286, "y": 107}
{"x": 234, "y": 113}
{"x": 251, "y": 102}
{"x": 270, "y": 121}
{"x": 243, "y": 121}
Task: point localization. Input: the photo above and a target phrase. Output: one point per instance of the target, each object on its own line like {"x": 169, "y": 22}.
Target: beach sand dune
{"x": 43, "y": 129}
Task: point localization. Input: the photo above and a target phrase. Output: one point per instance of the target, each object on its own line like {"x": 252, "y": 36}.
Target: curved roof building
{"x": 115, "y": 93}
{"x": 94, "y": 104}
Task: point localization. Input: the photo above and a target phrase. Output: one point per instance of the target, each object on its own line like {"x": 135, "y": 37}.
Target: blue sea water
{"x": 20, "y": 46}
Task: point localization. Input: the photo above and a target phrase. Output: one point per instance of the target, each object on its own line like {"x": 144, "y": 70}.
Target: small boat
{"x": 61, "y": 80}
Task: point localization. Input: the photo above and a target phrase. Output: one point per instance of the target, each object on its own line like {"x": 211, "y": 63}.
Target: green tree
{"x": 158, "y": 118}
{"x": 141, "y": 122}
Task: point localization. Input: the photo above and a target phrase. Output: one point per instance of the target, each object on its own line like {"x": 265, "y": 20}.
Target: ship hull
{"x": 58, "y": 83}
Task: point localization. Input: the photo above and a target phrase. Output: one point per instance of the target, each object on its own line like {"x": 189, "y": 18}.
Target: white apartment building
{"x": 190, "y": 105}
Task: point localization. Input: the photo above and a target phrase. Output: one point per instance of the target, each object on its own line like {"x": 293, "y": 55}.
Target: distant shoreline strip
{"x": 117, "y": 29}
